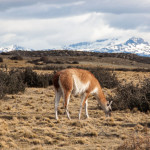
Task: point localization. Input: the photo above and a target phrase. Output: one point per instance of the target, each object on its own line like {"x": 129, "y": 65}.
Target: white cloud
{"x": 47, "y": 24}
{"x": 50, "y": 33}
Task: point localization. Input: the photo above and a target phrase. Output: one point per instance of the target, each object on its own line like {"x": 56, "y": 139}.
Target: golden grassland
{"x": 27, "y": 121}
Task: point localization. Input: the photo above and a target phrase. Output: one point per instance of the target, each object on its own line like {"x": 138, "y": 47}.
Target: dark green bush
{"x": 32, "y": 79}
{"x": 1, "y": 59}
{"x": 3, "y": 85}
{"x": 11, "y": 83}
{"x": 46, "y": 59}
{"x": 130, "y": 96}
{"x": 106, "y": 78}
{"x": 16, "y": 81}
{"x": 75, "y": 62}
{"x": 59, "y": 62}
{"x": 17, "y": 57}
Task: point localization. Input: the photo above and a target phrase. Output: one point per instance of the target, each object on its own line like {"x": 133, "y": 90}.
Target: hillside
{"x": 63, "y": 53}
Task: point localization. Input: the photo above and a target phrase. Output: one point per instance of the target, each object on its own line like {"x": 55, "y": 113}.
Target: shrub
{"x": 16, "y": 81}
{"x": 46, "y": 59}
{"x": 75, "y": 62}
{"x": 34, "y": 61}
{"x": 4, "y": 53}
{"x": 106, "y": 78}
{"x": 44, "y": 80}
{"x": 32, "y": 79}
{"x": 17, "y": 57}
{"x": 59, "y": 62}
{"x": 3, "y": 86}
{"x": 11, "y": 83}
{"x": 1, "y": 59}
{"x": 130, "y": 96}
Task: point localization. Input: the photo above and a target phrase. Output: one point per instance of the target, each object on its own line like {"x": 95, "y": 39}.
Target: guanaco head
{"x": 108, "y": 109}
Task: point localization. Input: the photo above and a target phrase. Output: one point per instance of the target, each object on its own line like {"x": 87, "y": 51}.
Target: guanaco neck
{"x": 101, "y": 98}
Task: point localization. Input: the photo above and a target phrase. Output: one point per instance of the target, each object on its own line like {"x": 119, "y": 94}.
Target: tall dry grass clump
{"x": 136, "y": 143}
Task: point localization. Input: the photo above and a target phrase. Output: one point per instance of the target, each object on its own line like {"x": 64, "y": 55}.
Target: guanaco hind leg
{"x": 66, "y": 102}
{"x": 58, "y": 95}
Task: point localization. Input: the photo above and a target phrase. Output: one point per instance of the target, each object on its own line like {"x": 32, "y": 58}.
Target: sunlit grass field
{"x": 27, "y": 119}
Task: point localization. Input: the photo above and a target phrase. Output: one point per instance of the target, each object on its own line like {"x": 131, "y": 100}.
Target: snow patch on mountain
{"x": 133, "y": 45}
{"x": 12, "y": 48}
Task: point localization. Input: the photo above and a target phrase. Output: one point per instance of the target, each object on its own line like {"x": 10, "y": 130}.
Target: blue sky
{"x": 53, "y": 23}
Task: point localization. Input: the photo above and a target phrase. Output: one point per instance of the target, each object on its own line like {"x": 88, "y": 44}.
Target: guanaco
{"x": 78, "y": 81}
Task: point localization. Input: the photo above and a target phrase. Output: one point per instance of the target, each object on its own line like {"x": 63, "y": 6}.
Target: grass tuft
{"x": 136, "y": 143}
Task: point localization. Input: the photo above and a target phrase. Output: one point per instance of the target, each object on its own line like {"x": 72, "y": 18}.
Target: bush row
{"x": 62, "y": 53}
{"x": 127, "y": 96}
{"x": 48, "y": 60}
{"x": 15, "y": 81}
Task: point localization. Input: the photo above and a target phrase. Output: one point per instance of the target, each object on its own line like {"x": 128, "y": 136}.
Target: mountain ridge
{"x": 12, "y": 48}
{"x": 132, "y": 45}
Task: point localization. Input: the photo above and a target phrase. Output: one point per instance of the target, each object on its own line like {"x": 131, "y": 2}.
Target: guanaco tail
{"x": 78, "y": 81}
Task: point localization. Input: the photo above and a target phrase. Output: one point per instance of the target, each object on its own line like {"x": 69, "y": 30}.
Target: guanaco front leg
{"x": 86, "y": 109}
{"x": 83, "y": 101}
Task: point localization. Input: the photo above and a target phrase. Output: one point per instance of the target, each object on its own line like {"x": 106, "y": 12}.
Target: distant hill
{"x": 64, "y": 53}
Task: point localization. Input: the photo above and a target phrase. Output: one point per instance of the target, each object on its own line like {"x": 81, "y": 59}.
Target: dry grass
{"x": 136, "y": 142}
{"x": 16, "y": 63}
{"x": 27, "y": 121}
{"x": 30, "y": 124}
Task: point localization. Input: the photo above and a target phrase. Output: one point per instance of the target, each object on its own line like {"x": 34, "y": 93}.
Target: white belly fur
{"x": 79, "y": 87}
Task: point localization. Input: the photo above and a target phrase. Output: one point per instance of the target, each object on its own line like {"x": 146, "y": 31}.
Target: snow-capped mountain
{"x": 133, "y": 45}
{"x": 13, "y": 47}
